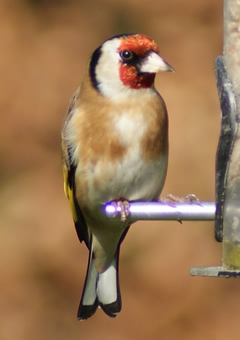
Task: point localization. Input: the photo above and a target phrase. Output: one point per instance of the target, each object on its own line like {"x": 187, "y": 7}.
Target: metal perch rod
{"x": 200, "y": 211}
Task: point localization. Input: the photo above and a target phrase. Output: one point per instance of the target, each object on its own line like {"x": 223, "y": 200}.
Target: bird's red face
{"x": 139, "y": 46}
{"x": 124, "y": 64}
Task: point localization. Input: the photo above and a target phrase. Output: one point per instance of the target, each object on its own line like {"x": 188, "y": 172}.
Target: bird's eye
{"x": 127, "y": 56}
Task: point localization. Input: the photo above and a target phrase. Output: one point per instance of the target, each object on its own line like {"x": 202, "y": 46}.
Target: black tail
{"x": 100, "y": 289}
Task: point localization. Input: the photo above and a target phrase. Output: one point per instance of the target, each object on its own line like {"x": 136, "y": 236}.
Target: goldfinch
{"x": 115, "y": 148}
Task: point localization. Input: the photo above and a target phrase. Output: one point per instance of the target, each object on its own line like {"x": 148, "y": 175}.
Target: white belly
{"x": 131, "y": 179}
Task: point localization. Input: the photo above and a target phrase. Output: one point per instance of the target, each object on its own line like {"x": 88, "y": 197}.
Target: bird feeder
{"x": 227, "y": 220}
{"x": 225, "y": 211}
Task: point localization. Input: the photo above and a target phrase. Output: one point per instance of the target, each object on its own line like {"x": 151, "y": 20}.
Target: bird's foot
{"x": 122, "y": 207}
{"x": 171, "y": 199}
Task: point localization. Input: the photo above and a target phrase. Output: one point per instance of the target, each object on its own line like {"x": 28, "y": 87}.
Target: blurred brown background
{"x": 44, "y": 49}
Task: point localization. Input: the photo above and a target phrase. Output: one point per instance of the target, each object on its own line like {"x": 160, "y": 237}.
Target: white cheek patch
{"x": 107, "y": 69}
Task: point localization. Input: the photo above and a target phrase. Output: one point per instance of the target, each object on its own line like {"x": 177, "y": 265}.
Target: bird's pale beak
{"x": 153, "y": 63}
